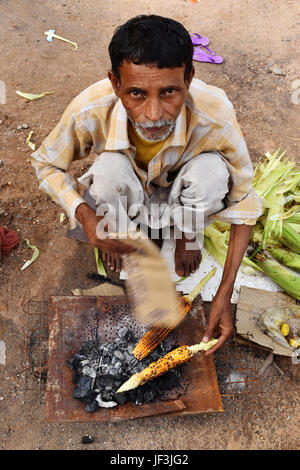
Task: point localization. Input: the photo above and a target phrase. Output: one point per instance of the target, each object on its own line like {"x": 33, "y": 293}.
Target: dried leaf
{"x": 32, "y": 96}
{"x": 30, "y": 144}
{"x": 36, "y": 253}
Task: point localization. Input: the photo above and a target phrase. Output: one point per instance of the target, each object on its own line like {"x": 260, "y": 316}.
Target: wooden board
{"x": 68, "y": 318}
{"x": 253, "y": 302}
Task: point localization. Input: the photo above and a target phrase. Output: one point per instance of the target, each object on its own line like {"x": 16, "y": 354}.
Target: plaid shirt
{"x": 96, "y": 119}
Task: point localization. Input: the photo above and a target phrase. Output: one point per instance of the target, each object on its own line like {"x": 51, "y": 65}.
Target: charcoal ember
{"x": 88, "y": 371}
{"x": 139, "y": 396}
{"x": 114, "y": 371}
{"x": 74, "y": 362}
{"x": 105, "y": 381}
{"x": 110, "y": 347}
{"x": 87, "y": 347}
{"x": 131, "y": 395}
{"x": 106, "y": 395}
{"x": 83, "y": 388}
{"x": 133, "y": 362}
{"x": 173, "y": 379}
{"x": 118, "y": 355}
{"x": 114, "y": 361}
{"x": 149, "y": 395}
{"x": 92, "y": 406}
{"x": 75, "y": 378}
{"x": 85, "y": 362}
{"x": 127, "y": 356}
{"x": 121, "y": 343}
{"x": 130, "y": 347}
{"x": 124, "y": 333}
{"x": 120, "y": 398}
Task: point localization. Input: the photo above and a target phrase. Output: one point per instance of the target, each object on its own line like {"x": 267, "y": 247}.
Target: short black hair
{"x": 152, "y": 39}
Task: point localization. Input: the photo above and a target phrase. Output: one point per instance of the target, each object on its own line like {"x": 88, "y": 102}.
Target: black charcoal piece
{"x": 149, "y": 395}
{"x": 127, "y": 356}
{"x": 114, "y": 361}
{"x": 87, "y": 347}
{"x": 105, "y": 381}
{"x": 123, "y": 332}
{"x": 119, "y": 355}
{"x": 106, "y": 395}
{"x": 130, "y": 348}
{"x": 113, "y": 371}
{"x": 120, "y": 398}
{"x": 87, "y": 439}
{"x": 74, "y": 362}
{"x": 133, "y": 361}
{"x": 92, "y": 407}
{"x": 83, "y": 388}
{"x": 75, "y": 378}
{"x": 131, "y": 395}
{"x": 140, "y": 396}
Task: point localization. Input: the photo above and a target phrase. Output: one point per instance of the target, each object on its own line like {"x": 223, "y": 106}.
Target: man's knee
{"x": 112, "y": 176}
{"x": 205, "y": 178}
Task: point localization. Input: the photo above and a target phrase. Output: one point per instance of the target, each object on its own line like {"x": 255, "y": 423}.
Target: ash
{"x": 100, "y": 369}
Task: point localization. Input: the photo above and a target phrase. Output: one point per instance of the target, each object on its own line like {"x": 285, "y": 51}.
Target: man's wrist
{"x": 225, "y": 290}
{"x": 83, "y": 211}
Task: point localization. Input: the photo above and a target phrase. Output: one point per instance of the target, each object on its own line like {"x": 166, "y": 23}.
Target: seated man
{"x": 161, "y": 136}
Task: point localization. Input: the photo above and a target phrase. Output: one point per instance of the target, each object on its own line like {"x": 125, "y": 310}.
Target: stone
{"x": 83, "y": 388}
{"x": 87, "y": 439}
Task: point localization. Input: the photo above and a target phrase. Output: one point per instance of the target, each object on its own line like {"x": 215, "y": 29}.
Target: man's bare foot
{"x": 113, "y": 260}
{"x": 186, "y": 261}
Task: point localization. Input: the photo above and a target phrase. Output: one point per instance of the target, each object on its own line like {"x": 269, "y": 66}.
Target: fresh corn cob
{"x": 156, "y": 335}
{"x": 287, "y": 257}
{"x": 164, "y": 364}
{"x": 289, "y": 281}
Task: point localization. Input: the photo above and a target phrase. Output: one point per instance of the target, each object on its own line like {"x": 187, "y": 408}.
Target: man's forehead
{"x": 134, "y": 74}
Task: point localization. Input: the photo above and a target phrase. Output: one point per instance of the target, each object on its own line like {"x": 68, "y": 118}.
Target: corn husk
{"x": 99, "y": 264}
{"x": 35, "y": 255}
{"x": 286, "y": 279}
{"x": 32, "y": 96}
{"x": 286, "y": 257}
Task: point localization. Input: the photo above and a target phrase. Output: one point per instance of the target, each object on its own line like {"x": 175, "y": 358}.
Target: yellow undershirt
{"x": 145, "y": 151}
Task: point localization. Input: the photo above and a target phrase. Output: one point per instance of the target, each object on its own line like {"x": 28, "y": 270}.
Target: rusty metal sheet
{"x": 71, "y": 321}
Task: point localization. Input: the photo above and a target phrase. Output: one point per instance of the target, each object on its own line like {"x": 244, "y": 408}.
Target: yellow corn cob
{"x": 164, "y": 364}
{"x": 285, "y": 329}
{"x": 156, "y": 335}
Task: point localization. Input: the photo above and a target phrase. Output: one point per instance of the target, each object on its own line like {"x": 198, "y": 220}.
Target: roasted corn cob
{"x": 165, "y": 363}
{"x": 156, "y": 335}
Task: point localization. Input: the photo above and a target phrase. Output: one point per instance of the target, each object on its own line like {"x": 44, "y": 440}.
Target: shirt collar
{"x": 117, "y": 138}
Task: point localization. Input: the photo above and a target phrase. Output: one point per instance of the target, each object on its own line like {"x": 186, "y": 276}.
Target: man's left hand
{"x": 220, "y": 325}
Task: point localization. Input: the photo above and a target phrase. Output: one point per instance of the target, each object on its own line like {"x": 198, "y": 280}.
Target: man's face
{"x": 152, "y": 97}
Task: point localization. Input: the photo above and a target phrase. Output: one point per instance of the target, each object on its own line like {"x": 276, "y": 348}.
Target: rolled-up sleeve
{"x": 67, "y": 142}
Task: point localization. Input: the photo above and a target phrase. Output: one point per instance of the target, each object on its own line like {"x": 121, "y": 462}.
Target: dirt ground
{"x": 259, "y": 40}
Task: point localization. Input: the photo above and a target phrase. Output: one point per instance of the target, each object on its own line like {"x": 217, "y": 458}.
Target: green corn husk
{"x": 216, "y": 243}
{"x": 290, "y": 237}
{"x": 294, "y": 219}
{"x": 99, "y": 264}
{"x": 286, "y": 257}
{"x": 287, "y": 280}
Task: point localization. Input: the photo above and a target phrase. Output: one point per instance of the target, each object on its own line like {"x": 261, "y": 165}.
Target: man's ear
{"x": 190, "y": 77}
{"x": 114, "y": 81}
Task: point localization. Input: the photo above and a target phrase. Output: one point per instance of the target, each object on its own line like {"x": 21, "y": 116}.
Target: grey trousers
{"x": 197, "y": 191}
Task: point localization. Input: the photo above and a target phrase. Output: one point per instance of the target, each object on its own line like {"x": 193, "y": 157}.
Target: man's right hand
{"x": 89, "y": 220}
